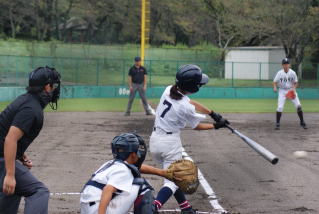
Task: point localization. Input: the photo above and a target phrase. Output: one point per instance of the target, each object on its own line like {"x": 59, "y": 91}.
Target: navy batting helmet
{"x": 124, "y": 144}
{"x": 190, "y": 78}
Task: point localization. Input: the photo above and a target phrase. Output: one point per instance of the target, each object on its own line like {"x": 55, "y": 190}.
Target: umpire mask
{"x": 39, "y": 78}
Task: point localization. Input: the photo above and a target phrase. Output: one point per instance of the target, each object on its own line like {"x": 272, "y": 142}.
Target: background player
{"x": 173, "y": 113}
{"x": 115, "y": 186}
{"x": 137, "y": 81}
{"x": 20, "y": 124}
{"x": 286, "y": 79}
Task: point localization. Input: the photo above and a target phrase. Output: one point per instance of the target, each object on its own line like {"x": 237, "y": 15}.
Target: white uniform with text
{"x": 119, "y": 176}
{"x": 171, "y": 116}
{"x": 285, "y": 82}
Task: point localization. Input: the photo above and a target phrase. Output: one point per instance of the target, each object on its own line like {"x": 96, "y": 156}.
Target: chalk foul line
{"x": 208, "y": 189}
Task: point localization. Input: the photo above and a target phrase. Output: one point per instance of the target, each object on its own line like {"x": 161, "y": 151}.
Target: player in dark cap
{"x": 287, "y": 81}
{"x": 174, "y": 112}
{"x": 137, "y": 81}
{"x": 20, "y": 124}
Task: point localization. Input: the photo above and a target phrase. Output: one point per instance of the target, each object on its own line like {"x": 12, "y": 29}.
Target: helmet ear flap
{"x": 190, "y": 78}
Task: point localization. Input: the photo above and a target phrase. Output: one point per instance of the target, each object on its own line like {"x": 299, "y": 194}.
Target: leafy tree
{"x": 15, "y": 16}
{"x": 272, "y": 22}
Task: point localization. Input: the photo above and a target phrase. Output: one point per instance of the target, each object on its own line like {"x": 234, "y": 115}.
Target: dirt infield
{"x": 73, "y": 145}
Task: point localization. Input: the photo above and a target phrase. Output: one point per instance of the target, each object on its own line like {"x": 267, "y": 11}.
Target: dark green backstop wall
{"x": 9, "y": 93}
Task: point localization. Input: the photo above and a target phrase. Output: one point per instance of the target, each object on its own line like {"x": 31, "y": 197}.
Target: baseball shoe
{"x": 303, "y": 125}
{"x": 277, "y": 126}
{"x": 189, "y": 211}
{"x": 148, "y": 113}
{"x": 127, "y": 113}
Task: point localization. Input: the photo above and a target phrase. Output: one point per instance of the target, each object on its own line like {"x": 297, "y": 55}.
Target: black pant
{"x": 35, "y": 192}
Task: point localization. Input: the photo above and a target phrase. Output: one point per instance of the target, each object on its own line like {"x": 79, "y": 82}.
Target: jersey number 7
{"x": 169, "y": 105}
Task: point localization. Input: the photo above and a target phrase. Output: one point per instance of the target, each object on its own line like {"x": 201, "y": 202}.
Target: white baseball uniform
{"x": 171, "y": 116}
{"x": 285, "y": 82}
{"x": 119, "y": 176}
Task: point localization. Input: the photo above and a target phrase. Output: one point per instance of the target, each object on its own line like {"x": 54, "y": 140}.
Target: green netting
{"x": 107, "y": 71}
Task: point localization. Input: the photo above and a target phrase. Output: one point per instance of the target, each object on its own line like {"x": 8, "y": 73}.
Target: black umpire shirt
{"x": 137, "y": 74}
{"x": 25, "y": 113}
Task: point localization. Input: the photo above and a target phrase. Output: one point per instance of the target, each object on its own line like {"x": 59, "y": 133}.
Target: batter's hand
{"x": 144, "y": 87}
{"x": 221, "y": 124}
{"x": 131, "y": 89}
{"x": 275, "y": 90}
{"x": 217, "y": 117}
{"x": 9, "y": 185}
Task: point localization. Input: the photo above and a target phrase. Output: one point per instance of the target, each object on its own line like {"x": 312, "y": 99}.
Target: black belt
{"x": 92, "y": 203}
{"x": 163, "y": 131}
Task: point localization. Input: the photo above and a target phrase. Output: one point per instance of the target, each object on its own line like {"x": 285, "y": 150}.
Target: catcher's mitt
{"x": 184, "y": 174}
{"x": 291, "y": 94}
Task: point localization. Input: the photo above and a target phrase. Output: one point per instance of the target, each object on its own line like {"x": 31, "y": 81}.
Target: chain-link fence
{"x": 105, "y": 71}
{"x": 128, "y": 51}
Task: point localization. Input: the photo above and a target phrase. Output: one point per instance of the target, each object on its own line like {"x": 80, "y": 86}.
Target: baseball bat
{"x": 257, "y": 147}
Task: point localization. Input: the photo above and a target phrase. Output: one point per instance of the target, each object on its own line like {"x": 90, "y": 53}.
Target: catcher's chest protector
{"x": 136, "y": 173}
{"x": 144, "y": 203}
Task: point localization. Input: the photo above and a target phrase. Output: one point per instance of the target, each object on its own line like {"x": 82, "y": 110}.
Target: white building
{"x": 253, "y": 62}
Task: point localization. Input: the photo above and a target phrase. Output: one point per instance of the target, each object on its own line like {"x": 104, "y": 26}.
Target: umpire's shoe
{"x": 277, "y": 126}
{"x": 303, "y": 125}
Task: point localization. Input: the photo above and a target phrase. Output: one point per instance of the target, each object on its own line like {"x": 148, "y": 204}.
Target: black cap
{"x": 137, "y": 59}
{"x": 285, "y": 61}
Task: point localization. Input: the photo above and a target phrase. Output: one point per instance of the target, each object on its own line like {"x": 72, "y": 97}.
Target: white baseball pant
{"x": 282, "y": 99}
{"x": 165, "y": 149}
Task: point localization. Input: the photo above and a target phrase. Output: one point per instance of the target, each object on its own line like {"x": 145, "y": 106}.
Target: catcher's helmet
{"x": 190, "y": 78}
{"x": 124, "y": 144}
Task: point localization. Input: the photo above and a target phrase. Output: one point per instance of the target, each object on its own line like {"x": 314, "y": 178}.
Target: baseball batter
{"x": 117, "y": 184}
{"x": 286, "y": 80}
{"x": 174, "y": 112}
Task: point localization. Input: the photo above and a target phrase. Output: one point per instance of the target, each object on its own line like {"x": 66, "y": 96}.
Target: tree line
{"x": 293, "y": 24}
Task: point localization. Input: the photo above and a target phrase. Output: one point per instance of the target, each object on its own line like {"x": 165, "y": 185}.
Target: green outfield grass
{"x": 220, "y": 105}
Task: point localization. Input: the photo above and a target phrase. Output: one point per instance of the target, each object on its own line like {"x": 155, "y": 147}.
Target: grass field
{"x": 220, "y": 105}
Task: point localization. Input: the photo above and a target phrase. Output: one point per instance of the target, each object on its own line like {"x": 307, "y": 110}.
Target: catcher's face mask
{"x": 141, "y": 152}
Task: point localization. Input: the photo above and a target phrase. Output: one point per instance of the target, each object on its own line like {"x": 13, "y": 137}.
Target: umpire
{"x": 137, "y": 81}
{"x": 20, "y": 124}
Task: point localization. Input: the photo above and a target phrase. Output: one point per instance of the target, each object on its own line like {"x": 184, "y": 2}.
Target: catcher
{"x": 287, "y": 81}
{"x": 173, "y": 113}
{"x": 117, "y": 184}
